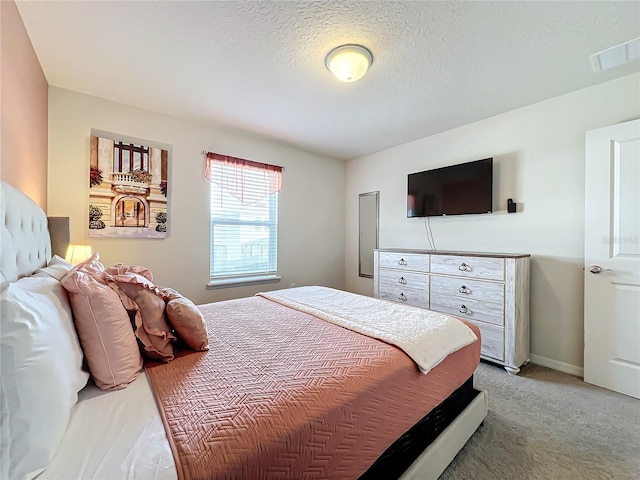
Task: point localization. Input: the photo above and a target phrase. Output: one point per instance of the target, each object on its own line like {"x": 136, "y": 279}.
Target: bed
{"x": 282, "y": 392}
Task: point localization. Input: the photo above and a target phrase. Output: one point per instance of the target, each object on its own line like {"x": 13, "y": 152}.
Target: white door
{"x": 612, "y": 258}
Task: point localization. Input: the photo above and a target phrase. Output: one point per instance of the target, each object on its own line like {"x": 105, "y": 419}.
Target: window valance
{"x": 246, "y": 180}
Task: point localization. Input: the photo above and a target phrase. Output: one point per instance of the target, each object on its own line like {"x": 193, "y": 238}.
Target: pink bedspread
{"x": 283, "y": 394}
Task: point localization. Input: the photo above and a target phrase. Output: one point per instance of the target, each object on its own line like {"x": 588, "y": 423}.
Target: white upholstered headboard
{"x": 25, "y": 243}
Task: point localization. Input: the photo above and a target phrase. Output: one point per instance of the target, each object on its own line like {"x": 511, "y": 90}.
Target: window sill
{"x": 242, "y": 281}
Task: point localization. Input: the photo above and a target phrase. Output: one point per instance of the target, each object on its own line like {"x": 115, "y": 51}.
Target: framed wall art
{"x": 128, "y": 188}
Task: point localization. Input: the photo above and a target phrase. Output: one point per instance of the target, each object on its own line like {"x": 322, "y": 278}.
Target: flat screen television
{"x": 460, "y": 189}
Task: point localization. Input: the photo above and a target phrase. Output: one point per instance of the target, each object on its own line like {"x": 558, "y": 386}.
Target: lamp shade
{"x": 77, "y": 253}
{"x": 349, "y": 62}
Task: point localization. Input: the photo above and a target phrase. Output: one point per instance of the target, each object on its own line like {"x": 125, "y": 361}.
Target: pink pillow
{"x": 121, "y": 269}
{"x": 185, "y": 317}
{"x": 103, "y": 326}
{"x": 91, "y": 265}
{"x": 154, "y": 332}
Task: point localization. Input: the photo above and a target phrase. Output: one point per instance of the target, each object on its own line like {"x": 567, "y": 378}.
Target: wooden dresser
{"x": 490, "y": 290}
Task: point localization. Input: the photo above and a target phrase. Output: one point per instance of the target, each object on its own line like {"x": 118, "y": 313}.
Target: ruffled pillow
{"x": 103, "y": 326}
{"x": 185, "y": 317}
{"x": 122, "y": 269}
{"x": 153, "y": 331}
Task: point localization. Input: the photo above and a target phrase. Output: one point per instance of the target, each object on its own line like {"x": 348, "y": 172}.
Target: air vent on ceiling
{"x": 616, "y": 56}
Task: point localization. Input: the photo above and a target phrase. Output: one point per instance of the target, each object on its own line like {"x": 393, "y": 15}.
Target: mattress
{"x": 395, "y": 461}
{"x": 283, "y": 394}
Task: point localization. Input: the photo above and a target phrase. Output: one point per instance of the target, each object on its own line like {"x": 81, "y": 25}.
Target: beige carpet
{"x": 547, "y": 425}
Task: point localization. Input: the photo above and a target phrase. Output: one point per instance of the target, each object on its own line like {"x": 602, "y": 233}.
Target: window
{"x": 128, "y": 157}
{"x": 244, "y": 220}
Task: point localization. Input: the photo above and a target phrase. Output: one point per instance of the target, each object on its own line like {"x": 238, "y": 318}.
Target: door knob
{"x": 598, "y": 269}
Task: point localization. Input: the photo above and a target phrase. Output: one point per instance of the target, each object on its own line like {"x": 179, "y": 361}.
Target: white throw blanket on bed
{"x": 426, "y": 336}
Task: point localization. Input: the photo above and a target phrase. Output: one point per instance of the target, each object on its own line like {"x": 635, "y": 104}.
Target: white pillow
{"x": 41, "y": 373}
{"x": 57, "y": 268}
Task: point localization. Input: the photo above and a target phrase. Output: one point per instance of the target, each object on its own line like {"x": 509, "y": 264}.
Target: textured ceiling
{"x": 259, "y": 66}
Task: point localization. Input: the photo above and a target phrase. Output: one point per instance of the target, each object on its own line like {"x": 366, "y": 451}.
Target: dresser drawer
{"x": 465, "y": 288}
{"x": 467, "y": 308}
{"x": 404, "y": 261}
{"x": 474, "y": 267}
{"x": 404, "y": 287}
{"x": 492, "y": 340}
{"x": 409, "y": 281}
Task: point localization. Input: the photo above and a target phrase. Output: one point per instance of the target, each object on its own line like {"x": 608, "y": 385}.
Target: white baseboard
{"x": 556, "y": 365}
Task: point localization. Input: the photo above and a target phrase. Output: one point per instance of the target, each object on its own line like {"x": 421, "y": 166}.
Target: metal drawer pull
{"x": 402, "y": 298}
{"x": 464, "y": 268}
{"x": 402, "y": 262}
{"x": 464, "y": 289}
{"x": 402, "y": 281}
{"x": 463, "y": 309}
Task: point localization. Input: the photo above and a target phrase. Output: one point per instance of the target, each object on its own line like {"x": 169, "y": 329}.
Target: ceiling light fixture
{"x": 349, "y": 62}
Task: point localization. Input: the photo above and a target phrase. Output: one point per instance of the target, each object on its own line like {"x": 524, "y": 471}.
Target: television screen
{"x": 455, "y": 190}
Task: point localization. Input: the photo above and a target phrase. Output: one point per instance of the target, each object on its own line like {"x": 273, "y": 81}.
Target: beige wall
{"x": 23, "y": 97}
{"x": 539, "y": 162}
{"x": 311, "y": 214}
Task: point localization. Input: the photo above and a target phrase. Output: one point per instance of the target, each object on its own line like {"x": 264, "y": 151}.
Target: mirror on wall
{"x": 368, "y": 231}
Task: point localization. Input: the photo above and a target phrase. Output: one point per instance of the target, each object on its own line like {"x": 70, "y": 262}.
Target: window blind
{"x": 244, "y": 217}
